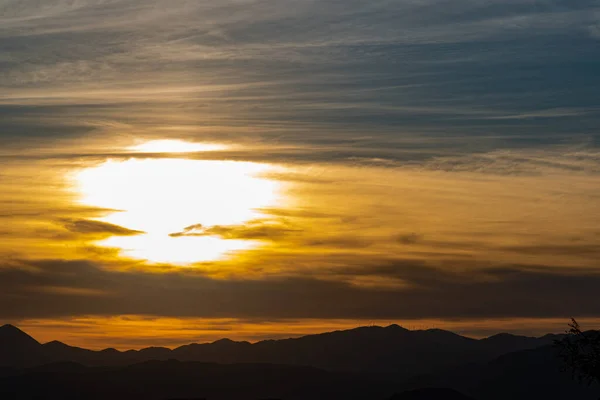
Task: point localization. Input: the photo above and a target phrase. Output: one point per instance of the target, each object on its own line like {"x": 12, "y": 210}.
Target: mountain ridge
{"x": 522, "y": 375}
{"x": 390, "y": 349}
{"x": 11, "y": 332}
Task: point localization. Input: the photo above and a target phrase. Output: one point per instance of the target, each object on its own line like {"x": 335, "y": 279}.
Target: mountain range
{"x": 362, "y": 363}
{"x": 390, "y": 349}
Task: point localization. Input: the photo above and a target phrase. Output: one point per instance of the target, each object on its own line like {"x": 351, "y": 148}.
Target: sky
{"x": 181, "y": 171}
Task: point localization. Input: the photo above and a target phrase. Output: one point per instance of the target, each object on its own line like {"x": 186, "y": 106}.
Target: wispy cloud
{"x": 255, "y": 229}
{"x": 97, "y": 227}
{"x": 385, "y": 68}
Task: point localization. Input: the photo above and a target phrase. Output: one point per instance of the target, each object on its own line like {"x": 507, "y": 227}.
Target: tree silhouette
{"x": 580, "y": 352}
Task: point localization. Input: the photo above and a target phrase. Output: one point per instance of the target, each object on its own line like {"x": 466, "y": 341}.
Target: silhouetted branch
{"x": 580, "y": 352}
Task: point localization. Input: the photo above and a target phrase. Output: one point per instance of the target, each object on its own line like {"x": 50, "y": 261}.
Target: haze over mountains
{"x": 362, "y": 363}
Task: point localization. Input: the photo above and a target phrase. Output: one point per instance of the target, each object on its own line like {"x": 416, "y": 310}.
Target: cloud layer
{"x": 437, "y": 159}
{"x": 476, "y": 75}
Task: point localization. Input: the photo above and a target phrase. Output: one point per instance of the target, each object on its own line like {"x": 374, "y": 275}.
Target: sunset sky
{"x": 176, "y": 171}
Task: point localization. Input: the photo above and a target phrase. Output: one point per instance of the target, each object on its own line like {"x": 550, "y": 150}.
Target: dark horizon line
{"x": 223, "y": 340}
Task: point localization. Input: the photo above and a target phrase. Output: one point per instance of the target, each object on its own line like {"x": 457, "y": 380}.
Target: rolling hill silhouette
{"x": 528, "y": 374}
{"x": 363, "y": 363}
{"x": 160, "y": 380}
{"x": 391, "y": 349}
{"x": 524, "y": 375}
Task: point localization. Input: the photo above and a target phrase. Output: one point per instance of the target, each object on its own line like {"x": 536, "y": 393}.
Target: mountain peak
{"x": 396, "y": 327}
{"x": 223, "y": 340}
{"x": 56, "y": 344}
{"x": 9, "y": 327}
{"x": 110, "y": 350}
{"x": 228, "y": 342}
{"x": 10, "y": 334}
{"x": 504, "y": 336}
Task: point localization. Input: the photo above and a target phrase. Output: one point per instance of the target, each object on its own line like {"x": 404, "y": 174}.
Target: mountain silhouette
{"x": 528, "y": 374}
{"x": 10, "y": 335}
{"x": 160, "y": 380}
{"x": 524, "y": 375}
{"x": 364, "y": 363}
{"x": 505, "y": 342}
{"x": 391, "y": 349}
{"x": 18, "y": 348}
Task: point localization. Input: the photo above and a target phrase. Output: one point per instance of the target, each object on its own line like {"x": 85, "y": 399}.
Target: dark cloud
{"x": 410, "y": 238}
{"x": 87, "y": 226}
{"x": 192, "y": 230}
{"x": 429, "y": 293}
{"x": 256, "y": 229}
{"x": 340, "y": 242}
{"x": 583, "y": 250}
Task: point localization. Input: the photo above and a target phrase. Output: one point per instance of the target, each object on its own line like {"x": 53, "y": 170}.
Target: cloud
{"x": 500, "y": 206}
{"x": 471, "y": 76}
{"x": 575, "y": 159}
{"x": 428, "y": 143}
{"x": 410, "y": 238}
{"x": 192, "y": 230}
{"x": 252, "y": 230}
{"x": 509, "y": 291}
{"x": 87, "y": 226}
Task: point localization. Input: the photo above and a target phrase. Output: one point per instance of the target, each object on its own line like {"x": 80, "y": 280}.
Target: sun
{"x": 163, "y": 196}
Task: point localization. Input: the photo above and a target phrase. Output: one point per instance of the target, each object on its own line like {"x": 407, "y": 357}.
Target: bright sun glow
{"x": 175, "y": 146}
{"x": 164, "y": 196}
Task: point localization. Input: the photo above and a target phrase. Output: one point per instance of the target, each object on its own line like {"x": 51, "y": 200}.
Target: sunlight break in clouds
{"x": 160, "y": 197}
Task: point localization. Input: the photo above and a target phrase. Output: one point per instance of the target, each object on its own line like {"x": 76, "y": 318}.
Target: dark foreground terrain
{"x": 365, "y": 363}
